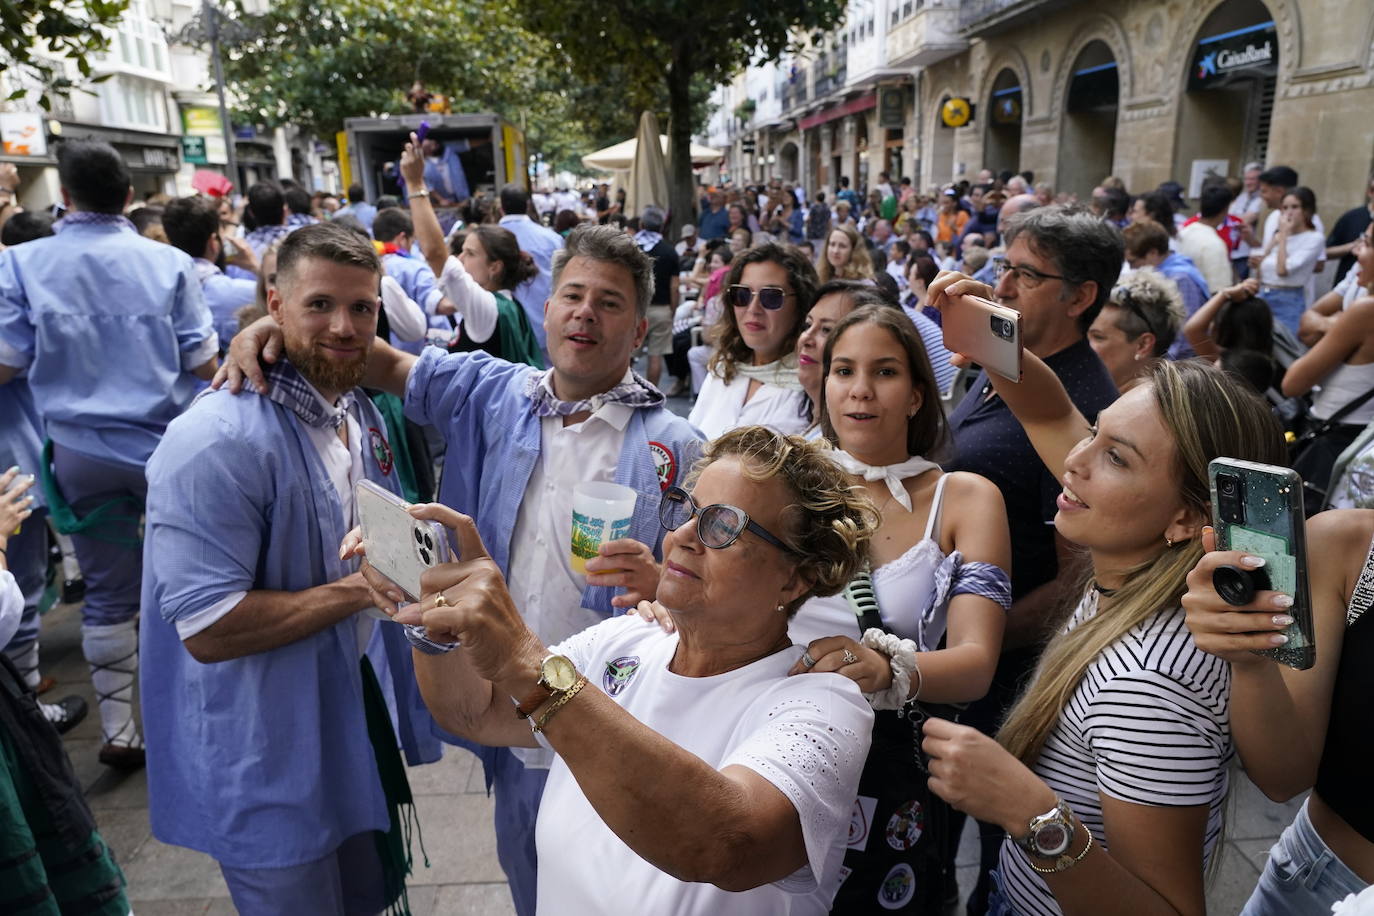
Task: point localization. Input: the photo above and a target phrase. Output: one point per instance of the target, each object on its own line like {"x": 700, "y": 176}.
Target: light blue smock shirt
{"x": 261, "y": 761}
{"x": 110, "y": 326}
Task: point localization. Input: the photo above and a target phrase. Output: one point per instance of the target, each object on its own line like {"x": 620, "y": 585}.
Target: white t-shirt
{"x": 807, "y": 735}
{"x": 1149, "y": 724}
{"x": 1302, "y": 253}
{"x": 1200, "y": 242}
{"x": 721, "y": 407}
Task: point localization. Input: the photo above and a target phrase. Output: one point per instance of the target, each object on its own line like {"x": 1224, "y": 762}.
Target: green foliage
{"x": 36, "y": 34}
{"x": 674, "y": 44}
{"x": 315, "y": 63}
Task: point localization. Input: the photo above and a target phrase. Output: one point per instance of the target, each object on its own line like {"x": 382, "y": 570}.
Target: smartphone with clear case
{"x": 1258, "y": 508}
{"x": 398, "y": 546}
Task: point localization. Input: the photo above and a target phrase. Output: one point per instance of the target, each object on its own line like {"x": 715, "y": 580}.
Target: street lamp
{"x": 208, "y": 26}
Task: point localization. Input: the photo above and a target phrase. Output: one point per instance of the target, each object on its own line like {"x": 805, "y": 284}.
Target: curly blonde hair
{"x": 830, "y": 523}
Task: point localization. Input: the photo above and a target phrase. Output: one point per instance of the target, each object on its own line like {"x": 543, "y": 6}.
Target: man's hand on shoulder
{"x": 261, "y": 340}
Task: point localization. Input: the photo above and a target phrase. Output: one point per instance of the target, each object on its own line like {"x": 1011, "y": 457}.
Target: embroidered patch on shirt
{"x": 665, "y": 465}
{"x": 618, "y": 674}
{"x": 381, "y": 449}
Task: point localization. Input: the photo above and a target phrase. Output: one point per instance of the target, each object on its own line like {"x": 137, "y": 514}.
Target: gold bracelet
{"x": 423, "y": 192}
{"x": 1064, "y": 862}
{"x": 572, "y": 692}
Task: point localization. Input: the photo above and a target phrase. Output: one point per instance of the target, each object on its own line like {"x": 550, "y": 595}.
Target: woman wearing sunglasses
{"x": 752, "y": 374}
{"x": 1136, "y": 327}
{"x": 692, "y": 774}
{"x": 925, "y": 622}
{"x": 1109, "y": 774}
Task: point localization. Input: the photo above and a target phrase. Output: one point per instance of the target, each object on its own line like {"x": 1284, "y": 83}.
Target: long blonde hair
{"x": 860, "y": 264}
{"x": 1209, "y": 414}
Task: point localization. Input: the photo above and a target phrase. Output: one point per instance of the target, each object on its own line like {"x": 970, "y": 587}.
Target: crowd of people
{"x": 867, "y": 590}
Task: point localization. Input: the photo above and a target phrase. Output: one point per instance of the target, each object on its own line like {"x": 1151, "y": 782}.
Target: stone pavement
{"x": 455, "y": 817}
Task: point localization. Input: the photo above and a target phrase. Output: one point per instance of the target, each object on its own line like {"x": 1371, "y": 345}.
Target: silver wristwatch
{"x": 1050, "y": 833}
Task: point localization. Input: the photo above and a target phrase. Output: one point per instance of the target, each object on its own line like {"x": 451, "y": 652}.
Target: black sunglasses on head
{"x": 1122, "y": 298}
{"x": 770, "y": 297}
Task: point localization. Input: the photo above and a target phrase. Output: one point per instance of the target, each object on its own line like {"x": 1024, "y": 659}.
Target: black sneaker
{"x": 66, "y": 714}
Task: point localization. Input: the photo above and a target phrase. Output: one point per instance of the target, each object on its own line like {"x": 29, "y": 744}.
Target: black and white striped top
{"x": 1149, "y": 724}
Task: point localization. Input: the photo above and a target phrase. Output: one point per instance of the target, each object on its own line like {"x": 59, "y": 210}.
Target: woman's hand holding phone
{"x": 1224, "y": 630}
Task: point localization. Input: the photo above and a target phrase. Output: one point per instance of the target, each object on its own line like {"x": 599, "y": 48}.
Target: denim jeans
{"x": 997, "y": 900}
{"x": 1286, "y": 303}
{"x": 1302, "y": 875}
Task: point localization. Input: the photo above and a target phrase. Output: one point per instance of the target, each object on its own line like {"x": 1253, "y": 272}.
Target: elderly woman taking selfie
{"x": 689, "y": 764}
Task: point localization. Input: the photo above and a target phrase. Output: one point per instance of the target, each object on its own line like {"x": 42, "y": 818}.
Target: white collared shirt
{"x": 542, "y": 582}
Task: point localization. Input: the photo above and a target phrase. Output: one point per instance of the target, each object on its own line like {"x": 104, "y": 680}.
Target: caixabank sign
{"x": 1251, "y": 51}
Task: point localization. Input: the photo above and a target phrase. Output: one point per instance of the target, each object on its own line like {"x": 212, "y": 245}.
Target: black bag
{"x": 899, "y": 827}
{"x": 1316, "y": 447}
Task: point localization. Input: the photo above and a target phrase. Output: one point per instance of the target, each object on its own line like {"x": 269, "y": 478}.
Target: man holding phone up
{"x": 260, "y": 717}
{"x": 518, "y": 441}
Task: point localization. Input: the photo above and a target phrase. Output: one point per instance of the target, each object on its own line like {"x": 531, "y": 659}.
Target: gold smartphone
{"x": 985, "y": 332}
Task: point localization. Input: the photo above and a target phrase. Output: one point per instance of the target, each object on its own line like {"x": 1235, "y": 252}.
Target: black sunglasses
{"x": 770, "y": 297}
{"x": 718, "y": 526}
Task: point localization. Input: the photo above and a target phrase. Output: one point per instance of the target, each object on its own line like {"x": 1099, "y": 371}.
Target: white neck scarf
{"x": 894, "y": 474}
{"x": 781, "y": 372}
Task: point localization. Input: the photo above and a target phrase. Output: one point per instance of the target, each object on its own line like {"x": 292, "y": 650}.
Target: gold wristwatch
{"x": 557, "y": 675}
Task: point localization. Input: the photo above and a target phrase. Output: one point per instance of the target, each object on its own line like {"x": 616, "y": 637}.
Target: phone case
{"x": 985, "y": 332}
{"x": 1272, "y": 528}
{"x": 398, "y": 546}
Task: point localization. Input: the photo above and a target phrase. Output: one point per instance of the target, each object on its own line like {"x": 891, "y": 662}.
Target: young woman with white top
{"x": 925, "y": 622}
{"x": 834, "y": 301}
{"x": 752, "y": 374}
{"x": 1290, "y": 257}
{"x": 1110, "y": 772}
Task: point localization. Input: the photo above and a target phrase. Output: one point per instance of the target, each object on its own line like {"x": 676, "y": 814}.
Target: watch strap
{"x": 543, "y": 721}
{"x": 536, "y": 698}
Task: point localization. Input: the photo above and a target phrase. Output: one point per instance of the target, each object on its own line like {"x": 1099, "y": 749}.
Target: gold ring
{"x": 440, "y": 600}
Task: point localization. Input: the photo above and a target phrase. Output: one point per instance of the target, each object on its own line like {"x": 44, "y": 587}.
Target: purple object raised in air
{"x": 422, "y": 131}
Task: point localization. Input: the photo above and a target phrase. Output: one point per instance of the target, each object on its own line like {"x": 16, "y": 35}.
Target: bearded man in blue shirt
{"x": 262, "y": 679}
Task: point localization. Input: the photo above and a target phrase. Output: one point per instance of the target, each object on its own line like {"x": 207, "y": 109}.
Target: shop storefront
{"x": 1227, "y": 106}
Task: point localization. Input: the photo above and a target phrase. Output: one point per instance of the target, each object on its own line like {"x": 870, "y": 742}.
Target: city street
{"x": 455, "y": 815}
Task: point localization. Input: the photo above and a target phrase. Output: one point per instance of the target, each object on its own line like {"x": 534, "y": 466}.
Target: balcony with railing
{"x": 793, "y": 93}
{"x": 924, "y": 32}
{"x": 829, "y": 73}
{"x": 985, "y": 17}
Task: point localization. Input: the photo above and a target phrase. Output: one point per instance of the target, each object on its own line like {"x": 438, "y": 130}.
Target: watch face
{"x": 1051, "y": 839}
{"x": 559, "y": 673}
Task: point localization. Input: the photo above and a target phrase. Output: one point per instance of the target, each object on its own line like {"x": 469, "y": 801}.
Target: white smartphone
{"x": 398, "y": 546}
{"x": 985, "y": 332}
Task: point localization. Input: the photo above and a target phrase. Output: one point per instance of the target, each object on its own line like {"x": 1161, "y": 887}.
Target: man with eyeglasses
{"x": 518, "y": 441}
{"x": 1059, "y": 268}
